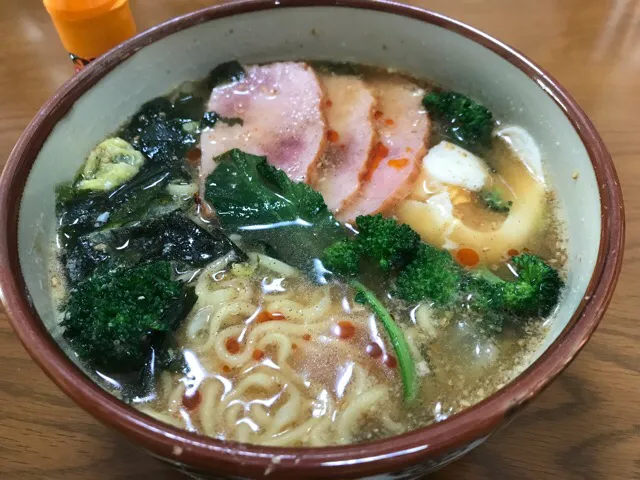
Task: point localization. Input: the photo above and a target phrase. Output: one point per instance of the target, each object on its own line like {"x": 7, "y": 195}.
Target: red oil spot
{"x": 233, "y": 347}
{"x": 513, "y": 252}
{"x": 294, "y": 345}
{"x": 344, "y": 330}
{"x": 306, "y": 337}
{"x": 329, "y": 103}
{"x": 333, "y": 136}
{"x": 192, "y": 401}
{"x": 390, "y": 361}
{"x": 378, "y": 115}
{"x": 193, "y": 156}
{"x": 398, "y": 163}
{"x": 257, "y": 354}
{"x": 380, "y": 152}
{"x": 467, "y": 257}
{"x": 226, "y": 368}
{"x": 389, "y": 122}
{"x": 265, "y": 316}
{"x": 374, "y": 350}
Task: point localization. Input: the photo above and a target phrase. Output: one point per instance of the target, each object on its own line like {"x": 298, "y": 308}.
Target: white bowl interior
{"x": 334, "y": 33}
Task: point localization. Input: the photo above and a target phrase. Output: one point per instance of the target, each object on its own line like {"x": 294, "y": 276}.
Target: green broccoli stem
{"x": 400, "y": 345}
{"x": 486, "y": 274}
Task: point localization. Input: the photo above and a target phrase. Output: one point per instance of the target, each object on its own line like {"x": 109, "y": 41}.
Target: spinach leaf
{"x": 262, "y": 204}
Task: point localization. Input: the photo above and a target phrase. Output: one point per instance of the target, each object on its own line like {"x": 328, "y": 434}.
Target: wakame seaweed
{"x": 80, "y": 212}
{"x": 210, "y": 119}
{"x": 163, "y": 130}
{"x": 227, "y": 72}
{"x": 338, "y": 68}
{"x": 171, "y": 237}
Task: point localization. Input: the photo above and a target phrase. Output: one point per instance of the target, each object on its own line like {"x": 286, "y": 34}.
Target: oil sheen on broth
{"x": 281, "y": 342}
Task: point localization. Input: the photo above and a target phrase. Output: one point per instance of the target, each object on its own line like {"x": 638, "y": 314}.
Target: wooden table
{"x": 585, "y": 426}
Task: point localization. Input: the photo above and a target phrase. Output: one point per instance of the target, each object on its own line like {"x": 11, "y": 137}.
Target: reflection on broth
{"x": 302, "y": 254}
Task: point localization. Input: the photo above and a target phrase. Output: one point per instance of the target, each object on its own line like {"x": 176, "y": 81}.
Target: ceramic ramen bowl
{"x": 425, "y": 44}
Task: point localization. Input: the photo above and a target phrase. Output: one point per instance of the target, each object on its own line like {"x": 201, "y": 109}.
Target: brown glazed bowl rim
{"x": 348, "y": 461}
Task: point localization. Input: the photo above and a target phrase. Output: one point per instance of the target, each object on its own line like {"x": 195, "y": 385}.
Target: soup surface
{"x": 307, "y": 254}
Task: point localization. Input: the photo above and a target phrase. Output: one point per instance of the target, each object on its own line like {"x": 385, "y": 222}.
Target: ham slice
{"x": 280, "y": 105}
{"x": 403, "y": 128}
{"x": 349, "y": 110}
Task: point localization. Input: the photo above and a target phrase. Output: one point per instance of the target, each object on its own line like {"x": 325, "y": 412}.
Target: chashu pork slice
{"x": 403, "y": 128}
{"x": 351, "y": 135}
{"x": 280, "y": 107}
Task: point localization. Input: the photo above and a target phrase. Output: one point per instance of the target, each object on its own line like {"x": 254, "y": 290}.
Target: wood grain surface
{"x": 586, "y": 425}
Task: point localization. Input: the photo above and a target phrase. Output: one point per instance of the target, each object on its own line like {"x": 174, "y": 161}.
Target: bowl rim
{"x": 371, "y": 458}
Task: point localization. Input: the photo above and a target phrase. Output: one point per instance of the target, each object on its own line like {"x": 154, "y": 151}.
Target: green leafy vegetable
{"x": 260, "y": 201}
{"x": 462, "y": 120}
{"x": 115, "y": 318}
{"x": 494, "y": 201}
{"x": 396, "y": 335}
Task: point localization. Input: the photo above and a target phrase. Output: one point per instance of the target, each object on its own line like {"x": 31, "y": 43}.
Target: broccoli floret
{"x": 537, "y": 289}
{"x": 387, "y": 242}
{"x": 493, "y": 200}
{"x": 534, "y": 293}
{"x": 342, "y": 257}
{"x": 432, "y": 275}
{"x": 109, "y": 165}
{"x": 482, "y": 293}
{"x": 461, "y": 119}
{"x": 116, "y": 317}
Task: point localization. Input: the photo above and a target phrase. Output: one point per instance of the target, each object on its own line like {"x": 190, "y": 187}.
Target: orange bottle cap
{"x": 88, "y": 28}
{"x": 80, "y": 9}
